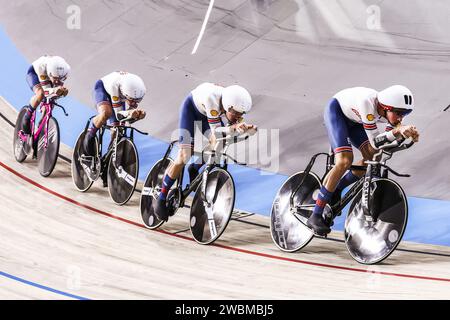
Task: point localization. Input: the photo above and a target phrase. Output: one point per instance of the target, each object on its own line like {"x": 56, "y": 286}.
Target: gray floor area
{"x": 292, "y": 55}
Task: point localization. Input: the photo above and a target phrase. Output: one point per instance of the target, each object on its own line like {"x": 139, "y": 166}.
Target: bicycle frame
{"x": 121, "y": 132}
{"x": 329, "y": 165}
{"x": 374, "y": 168}
{"x": 211, "y": 163}
{"x": 46, "y": 109}
{"x": 201, "y": 178}
{"x": 111, "y": 148}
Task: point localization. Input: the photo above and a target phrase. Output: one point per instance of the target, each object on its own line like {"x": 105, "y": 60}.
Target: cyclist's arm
{"x": 214, "y": 120}
{"x": 41, "y": 72}
{"x": 368, "y": 119}
{"x": 118, "y": 107}
{"x": 220, "y": 130}
{"x": 45, "y": 82}
{"x": 117, "y": 104}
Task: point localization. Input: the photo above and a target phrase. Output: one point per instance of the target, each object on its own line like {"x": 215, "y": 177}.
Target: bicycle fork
{"x": 207, "y": 205}
{"x": 367, "y": 193}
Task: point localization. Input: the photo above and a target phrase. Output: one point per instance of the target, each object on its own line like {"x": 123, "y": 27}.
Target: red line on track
{"x": 254, "y": 253}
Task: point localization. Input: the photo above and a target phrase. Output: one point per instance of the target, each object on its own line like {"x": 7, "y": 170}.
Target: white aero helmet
{"x": 58, "y": 68}
{"x": 132, "y": 87}
{"x": 238, "y": 98}
{"x": 397, "y": 98}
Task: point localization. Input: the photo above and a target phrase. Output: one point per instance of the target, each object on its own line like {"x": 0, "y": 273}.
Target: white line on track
{"x": 202, "y": 31}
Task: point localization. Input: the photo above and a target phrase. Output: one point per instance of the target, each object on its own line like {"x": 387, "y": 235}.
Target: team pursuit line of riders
{"x": 357, "y": 117}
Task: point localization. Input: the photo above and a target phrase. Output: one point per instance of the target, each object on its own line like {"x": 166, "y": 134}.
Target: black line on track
{"x": 7, "y": 120}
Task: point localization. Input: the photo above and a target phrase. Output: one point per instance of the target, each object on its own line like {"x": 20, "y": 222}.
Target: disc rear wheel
{"x": 288, "y": 229}
{"x": 151, "y": 191}
{"x": 79, "y": 176}
{"x": 18, "y": 144}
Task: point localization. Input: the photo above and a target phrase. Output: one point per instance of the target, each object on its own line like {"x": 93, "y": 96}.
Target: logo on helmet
{"x": 370, "y": 117}
{"x": 214, "y": 113}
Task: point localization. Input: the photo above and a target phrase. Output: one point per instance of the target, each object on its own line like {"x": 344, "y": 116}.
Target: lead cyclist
{"x": 352, "y": 118}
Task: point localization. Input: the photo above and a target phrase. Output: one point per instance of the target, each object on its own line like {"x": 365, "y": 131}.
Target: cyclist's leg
{"x": 186, "y": 145}
{"x": 358, "y": 139}
{"x": 105, "y": 112}
{"x": 338, "y": 133}
{"x": 367, "y": 152}
{"x": 194, "y": 167}
{"x": 34, "y": 83}
{"x": 337, "y": 128}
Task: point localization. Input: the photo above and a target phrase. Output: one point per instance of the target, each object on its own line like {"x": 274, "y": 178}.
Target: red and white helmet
{"x": 396, "y": 98}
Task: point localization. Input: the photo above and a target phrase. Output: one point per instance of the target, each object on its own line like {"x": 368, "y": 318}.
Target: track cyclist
{"x": 208, "y": 104}
{"x": 45, "y": 77}
{"x": 352, "y": 118}
{"x": 114, "y": 94}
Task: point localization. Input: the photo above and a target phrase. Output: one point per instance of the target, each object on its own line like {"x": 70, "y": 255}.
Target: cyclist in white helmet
{"x": 45, "y": 76}
{"x": 207, "y": 105}
{"x": 116, "y": 92}
{"x": 352, "y": 118}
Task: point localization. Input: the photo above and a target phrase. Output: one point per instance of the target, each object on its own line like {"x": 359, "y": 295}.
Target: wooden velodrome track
{"x": 58, "y": 243}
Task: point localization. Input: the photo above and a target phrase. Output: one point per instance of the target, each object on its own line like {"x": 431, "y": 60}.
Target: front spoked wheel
{"x": 288, "y": 228}
{"x": 150, "y": 193}
{"x": 18, "y": 143}
{"x": 123, "y": 172}
{"x": 209, "y": 219}
{"x": 79, "y": 177}
{"x": 48, "y": 149}
{"x": 371, "y": 239}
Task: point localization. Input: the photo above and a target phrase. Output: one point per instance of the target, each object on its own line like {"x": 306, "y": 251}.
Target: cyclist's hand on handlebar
{"x": 252, "y": 129}
{"x": 243, "y": 127}
{"x": 62, "y": 92}
{"x": 138, "y": 114}
{"x": 240, "y": 128}
{"x": 409, "y": 132}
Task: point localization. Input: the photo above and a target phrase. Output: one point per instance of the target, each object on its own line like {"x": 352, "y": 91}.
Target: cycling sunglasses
{"x": 133, "y": 100}
{"x": 399, "y": 112}
{"x": 235, "y": 113}
{"x": 61, "y": 79}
